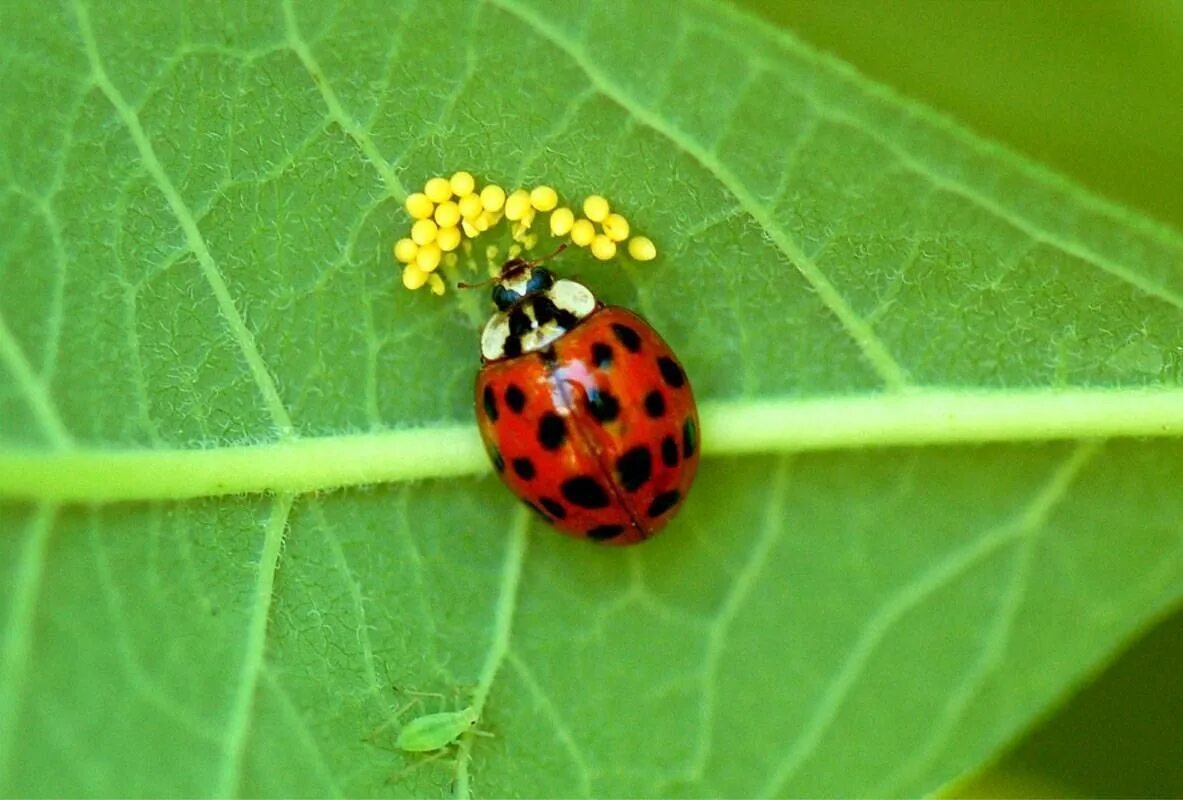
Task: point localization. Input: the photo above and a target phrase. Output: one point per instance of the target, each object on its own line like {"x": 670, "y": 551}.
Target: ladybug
{"x": 584, "y": 410}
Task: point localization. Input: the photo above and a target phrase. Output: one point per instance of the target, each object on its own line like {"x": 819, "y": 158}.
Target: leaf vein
{"x": 741, "y": 588}
{"x": 731, "y": 428}
{"x": 336, "y": 111}
{"x": 562, "y": 731}
{"x": 911, "y": 594}
{"x": 353, "y": 587}
{"x": 507, "y": 600}
{"x": 793, "y": 47}
{"x": 142, "y": 681}
{"x": 874, "y": 350}
{"x": 303, "y": 735}
{"x": 185, "y": 218}
{"x": 18, "y": 629}
{"x": 235, "y": 739}
{"x": 35, "y": 391}
{"x": 994, "y": 646}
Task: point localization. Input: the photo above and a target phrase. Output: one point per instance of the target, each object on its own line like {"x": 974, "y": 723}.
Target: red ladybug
{"x": 585, "y": 411}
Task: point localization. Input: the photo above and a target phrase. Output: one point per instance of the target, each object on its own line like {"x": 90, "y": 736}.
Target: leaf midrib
{"x": 730, "y": 428}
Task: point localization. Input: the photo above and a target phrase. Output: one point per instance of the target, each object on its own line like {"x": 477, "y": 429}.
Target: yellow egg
{"x": 428, "y": 257}
{"x": 438, "y": 190}
{"x": 413, "y": 277}
{"x": 642, "y": 248}
{"x": 423, "y": 231}
{"x": 544, "y": 198}
{"x": 517, "y": 205}
{"x": 487, "y": 220}
{"x": 603, "y": 248}
{"x": 419, "y": 206}
{"x": 470, "y": 206}
{"x": 615, "y": 227}
{"x": 447, "y": 214}
{"x": 462, "y": 183}
{"x": 404, "y": 250}
{"x": 492, "y": 197}
{"x": 448, "y": 238}
{"x": 582, "y": 232}
{"x": 561, "y": 221}
{"x": 596, "y": 208}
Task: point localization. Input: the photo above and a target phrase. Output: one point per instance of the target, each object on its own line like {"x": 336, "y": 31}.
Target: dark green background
{"x": 1093, "y": 90}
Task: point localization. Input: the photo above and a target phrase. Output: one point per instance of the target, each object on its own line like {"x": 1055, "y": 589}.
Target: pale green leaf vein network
{"x": 741, "y": 587}
{"x": 503, "y": 614}
{"x": 336, "y": 110}
{"x": 299, "y": 727}
{"x": 1037, "y": 233}
{"x": 213, "y": 276}
{"x": 907, "y": 597}
{"x": 34, "y": 390}
{"x": 561, "y": 729}
{"x": 246, "y": 684}
{"x": 43, "y": 203}
{"x": 349, "y": 578}
{"x": 238, "y": 723}
{"x": 122, "y": 642}
{"x": 989, "y": 659}
{"x": 730, "y": 428}
{"x": 16, "y": 645}
{"x": 873, "y": 349}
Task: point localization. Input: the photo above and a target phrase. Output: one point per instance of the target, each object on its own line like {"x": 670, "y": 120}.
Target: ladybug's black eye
{"x": 504, "y": 298}
{"x": 540, "y": 280}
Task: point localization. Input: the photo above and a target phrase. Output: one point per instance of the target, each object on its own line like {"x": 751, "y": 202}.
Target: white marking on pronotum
{"x": 569, "y": 296}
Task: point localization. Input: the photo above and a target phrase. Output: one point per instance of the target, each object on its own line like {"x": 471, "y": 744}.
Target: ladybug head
{"x": 520, "y": 279}
{"x": 533, "y": 309}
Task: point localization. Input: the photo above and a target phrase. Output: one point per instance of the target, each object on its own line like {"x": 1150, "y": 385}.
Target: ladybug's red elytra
{"x": 584, "y": 410}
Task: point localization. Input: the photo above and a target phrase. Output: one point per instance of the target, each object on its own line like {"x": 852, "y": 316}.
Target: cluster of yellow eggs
{"x": 450, "y": 210}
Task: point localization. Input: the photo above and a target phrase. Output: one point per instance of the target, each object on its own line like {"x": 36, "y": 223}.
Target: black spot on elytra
{"x": 655, "y": 404}
{"x": 601, "y": 533}
{"x": 519, "y": 323}
{"x": 671, "y": 373}
{"x": 515, "y": 398}
{"x": 490, "y": 402}
{"x": 634, "y": 467}
{"x": 545, "y": 310}
{"x": 627, "y": 337}
{"x": 601, "y": 355}
{"x": 524, "y": 467}
{"x": 669, "y": 452}
{"x": 603, "y": 405}
{"x": 554, "y": 507}
{"x": 584, "y": 491}
{"x": 552, "y": 431}
{"x": 689, "y": 437}
{"x": 664, "y": 502}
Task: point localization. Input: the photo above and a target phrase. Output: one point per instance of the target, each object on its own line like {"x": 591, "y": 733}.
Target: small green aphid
{"x": 435, "y": 731}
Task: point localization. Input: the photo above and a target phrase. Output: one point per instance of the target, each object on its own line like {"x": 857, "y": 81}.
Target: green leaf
{"x": 923, "y": 518}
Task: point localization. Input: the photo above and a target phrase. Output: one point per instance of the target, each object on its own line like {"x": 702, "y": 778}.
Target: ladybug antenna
{"x": 518, "y": 262}
{"x": 479, "y": 284}
{"x": 548, "y": 257}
